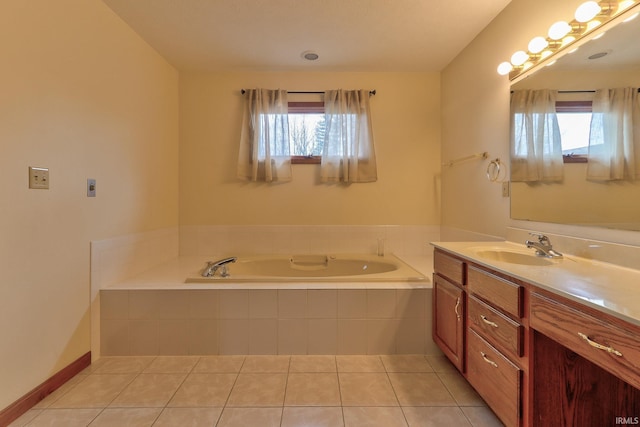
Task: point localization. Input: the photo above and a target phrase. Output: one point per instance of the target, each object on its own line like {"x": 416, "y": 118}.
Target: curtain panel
{"x": 614, "y": 138}
{"x": 265, "y": 153}
{"x": 536, "y": 149}
{"x": 348, "y": 154}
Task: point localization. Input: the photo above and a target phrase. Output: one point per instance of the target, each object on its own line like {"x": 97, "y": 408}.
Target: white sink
{"x": 512, "y": 257}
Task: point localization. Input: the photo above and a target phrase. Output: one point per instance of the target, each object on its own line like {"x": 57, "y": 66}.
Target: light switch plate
{"x": 91, "y": 187}
{"x": 39, "y": 178}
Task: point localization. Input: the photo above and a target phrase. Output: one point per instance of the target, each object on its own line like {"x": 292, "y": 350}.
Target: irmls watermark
{"x": 627, "y": 421}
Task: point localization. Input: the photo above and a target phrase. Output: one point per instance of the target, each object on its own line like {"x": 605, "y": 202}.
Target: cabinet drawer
{"x": 495, "y": 327}
{"x": 502, "y": 293}
{"x": 496, "y": 379}
{"x": 612, "y": 348}
{"x": 449, "y": 267}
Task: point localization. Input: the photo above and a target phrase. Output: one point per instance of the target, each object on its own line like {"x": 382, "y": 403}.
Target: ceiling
{"x": 348, "y": 35}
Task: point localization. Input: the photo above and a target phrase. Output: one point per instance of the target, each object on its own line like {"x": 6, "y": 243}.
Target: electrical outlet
{"x": 505, "y": 189}
{"x": 91, "y": 187}
{"x": 39, "y": 178}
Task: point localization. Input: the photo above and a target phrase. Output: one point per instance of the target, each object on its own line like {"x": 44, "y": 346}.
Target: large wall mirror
{"x": 614, "y": 63}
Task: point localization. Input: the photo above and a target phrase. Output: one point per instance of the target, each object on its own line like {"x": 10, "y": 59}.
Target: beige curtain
{"x": 536, "y": 149}
{"x": 614, "y": 138}
{"x": 265, "y": 153}
{"x": 349, "y": 154}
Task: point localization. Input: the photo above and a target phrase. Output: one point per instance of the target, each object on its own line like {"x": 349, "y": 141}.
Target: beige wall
{"x": 406, "y": 122}
{"x": 475, "y": 108}
{"x": 85, "y": 97}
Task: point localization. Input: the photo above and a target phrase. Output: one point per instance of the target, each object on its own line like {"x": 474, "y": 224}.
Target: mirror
{"x": 576, "y": 201}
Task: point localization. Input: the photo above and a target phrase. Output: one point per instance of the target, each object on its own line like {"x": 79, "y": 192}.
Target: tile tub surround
{"x": 287, "y": 391}
{"x": 266, "y": 321}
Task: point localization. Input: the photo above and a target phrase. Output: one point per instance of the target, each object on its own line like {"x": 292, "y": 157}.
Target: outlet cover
{"x": 91, "y": 187}
{"x": 39, "y": 178}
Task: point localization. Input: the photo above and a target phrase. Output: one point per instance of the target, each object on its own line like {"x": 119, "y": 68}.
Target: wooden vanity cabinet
{"x": 449, "y": 305}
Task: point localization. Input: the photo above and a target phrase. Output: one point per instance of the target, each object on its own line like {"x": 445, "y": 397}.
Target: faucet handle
{"x": 543, "y": 239}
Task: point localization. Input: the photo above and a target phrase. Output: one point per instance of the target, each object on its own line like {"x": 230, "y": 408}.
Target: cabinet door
{"x": 448, "y": 320}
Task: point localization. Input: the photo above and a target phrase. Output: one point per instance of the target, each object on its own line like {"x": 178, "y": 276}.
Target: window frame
{"x": 302, "y": 107}
{"x": 574, "y": 107}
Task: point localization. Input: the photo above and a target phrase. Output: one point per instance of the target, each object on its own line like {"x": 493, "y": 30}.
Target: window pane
{"x": 306, "y": 133}
{"x": 574, "y": 132}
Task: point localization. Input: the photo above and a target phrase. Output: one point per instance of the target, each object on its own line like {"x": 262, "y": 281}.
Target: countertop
{"x": 606, "y": 287}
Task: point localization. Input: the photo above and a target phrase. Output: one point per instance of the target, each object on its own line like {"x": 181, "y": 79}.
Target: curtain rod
{"x": 371, "y": 92}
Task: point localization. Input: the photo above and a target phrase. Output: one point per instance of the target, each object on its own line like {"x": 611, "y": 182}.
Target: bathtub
{"x": 313, "y": 268}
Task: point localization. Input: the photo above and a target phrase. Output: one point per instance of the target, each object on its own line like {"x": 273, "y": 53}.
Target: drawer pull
{"x": 487, "y": 321}
{"x": 489, "y": 361}
{"x": 599, "y": 346}
{"x": 456, "y": 308}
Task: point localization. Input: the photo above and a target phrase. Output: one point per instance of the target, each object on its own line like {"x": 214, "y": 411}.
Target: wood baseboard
{"x": 26, "y": 402}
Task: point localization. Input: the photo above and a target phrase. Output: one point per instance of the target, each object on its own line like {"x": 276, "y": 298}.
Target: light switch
{"x": 91, "y": 187}
{"x": 39, "y": 178}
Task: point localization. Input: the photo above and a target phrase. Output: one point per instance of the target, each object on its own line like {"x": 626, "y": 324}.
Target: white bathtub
{"x": 314, "y": 268}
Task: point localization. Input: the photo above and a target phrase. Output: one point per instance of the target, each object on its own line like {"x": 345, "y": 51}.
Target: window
{"x": 306, "y": 131}
{"x": 574, "y": 120}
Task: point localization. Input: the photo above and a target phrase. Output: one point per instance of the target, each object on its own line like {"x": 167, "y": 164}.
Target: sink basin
{"x": 512, "y": 257}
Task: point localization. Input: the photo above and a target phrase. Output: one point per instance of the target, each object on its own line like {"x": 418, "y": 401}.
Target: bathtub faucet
{"x": 212, "y": 266}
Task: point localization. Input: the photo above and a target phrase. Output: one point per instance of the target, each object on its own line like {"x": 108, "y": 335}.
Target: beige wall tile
{"x": 381, "y": 303}
{"x": 203, "y": 336}
{"x": 292, "y": 304}
{"x": 173, "y": 337}
{"x": 203, "y": 303}
{"x": 381, "y": 336}
{"x": 143, "y": 305}
{"x": 322, "y": 303}
{"x": 143, "y": 337}
{"x": 114, "y": 304}
{"x": 263, "y": 304}
{"x": 352, "y": 303}
{"x": 173, "y": 304}
{"x": 114, "y": 337}
{"x": 411, "y": 303}
{"x": 410, "y": 336}
{"x": 323, "y": 336}
{"x": 292, "y": 336}
{"x": 263, "y": 336}
{"x": 233, "y": 303}
{"x": 352, "y": 336}
{"x": 233, "y": 336}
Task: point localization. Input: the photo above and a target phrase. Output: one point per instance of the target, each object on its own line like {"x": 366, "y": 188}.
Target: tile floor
{"x": 264, "y": 391}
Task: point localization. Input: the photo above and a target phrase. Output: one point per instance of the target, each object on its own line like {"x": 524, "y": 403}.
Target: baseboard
{"x": 26, "y": 402}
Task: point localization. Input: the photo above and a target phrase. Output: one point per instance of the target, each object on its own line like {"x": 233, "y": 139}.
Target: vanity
{"x": 545, "y": 342}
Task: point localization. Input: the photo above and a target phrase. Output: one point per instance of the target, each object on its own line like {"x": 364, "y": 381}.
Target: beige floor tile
{"x": 481, "y": 416}
{"x": 202, "y": 390}
{"x": 440, "y": 363}
{"x": 250, "y": 417}
{"x": 149, "y": 390}
{"x": 61, "y": 391}
{"x": 258, "y": 390}
{"x": 359, "y": 364}
{"x": 121, "y": 365}
{"x": 420, "y": 389}
{"x": 374, "y": 417}
{"x": 266, "y": 364}
{"x": 188, "y": 417}
{"x": 313, "y": 364}
{"x": 64, "y": 417}
{"x": 312, "y": 389}
{"x": 461, "y": 390}
{"x": 406, "y": 363}
{"x": 96, "y": 391}
{"x": 129, "y": 417}
{"x": 312, "y": 417}
{"x": 172, "y": 365}
{"x": 366, "y": 389}
{"x": 219, "y": 364}
{"x": 434, "y": 416}
{"x": 25, "y": 418}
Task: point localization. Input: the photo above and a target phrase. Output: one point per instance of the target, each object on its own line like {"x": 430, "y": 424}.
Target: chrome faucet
{"x": 213, "y": 266}
{"x": 543, "y": 246}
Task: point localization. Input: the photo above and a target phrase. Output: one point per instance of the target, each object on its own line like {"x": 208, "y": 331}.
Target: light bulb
{"x": 519, "y": 58}
{"x": 545, "y": 54}
{"x": 538, "y": 44}
{"x": 587, "y": 11}
{"x": 559, "y": 30}
{"x": 504, "y": 68}
{"x": 634, "y": 16}
{"x": 625, "y": 4}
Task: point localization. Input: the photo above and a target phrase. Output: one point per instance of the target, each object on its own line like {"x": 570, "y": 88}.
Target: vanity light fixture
{"x": 588, "y": 17}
